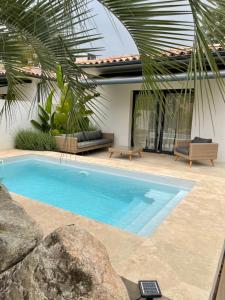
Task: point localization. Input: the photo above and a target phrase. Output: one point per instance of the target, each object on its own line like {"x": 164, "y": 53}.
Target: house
{"x": 140, "y": 120}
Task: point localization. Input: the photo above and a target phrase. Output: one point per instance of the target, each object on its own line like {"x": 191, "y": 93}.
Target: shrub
{"x": 32, "y": 140}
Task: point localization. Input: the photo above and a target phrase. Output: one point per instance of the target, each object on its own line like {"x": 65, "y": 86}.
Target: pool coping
{"x": 183, "y": 237}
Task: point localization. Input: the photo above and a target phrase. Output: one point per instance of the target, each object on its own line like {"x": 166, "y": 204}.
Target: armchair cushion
{"x": 198, "y": 140}
{"x": 183, "y": 150}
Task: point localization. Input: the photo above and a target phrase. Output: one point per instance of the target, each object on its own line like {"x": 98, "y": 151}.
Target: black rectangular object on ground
{"x": 149, "y": 289}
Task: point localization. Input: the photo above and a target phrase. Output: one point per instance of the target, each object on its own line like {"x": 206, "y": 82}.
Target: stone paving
{"x": 185, "y": 251}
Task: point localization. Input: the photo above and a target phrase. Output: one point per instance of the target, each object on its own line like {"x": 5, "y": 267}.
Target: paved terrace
{"x": 184, "y": 254}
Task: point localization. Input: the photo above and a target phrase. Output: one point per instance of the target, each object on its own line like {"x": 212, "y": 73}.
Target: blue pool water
{"x": 135, "y": 202}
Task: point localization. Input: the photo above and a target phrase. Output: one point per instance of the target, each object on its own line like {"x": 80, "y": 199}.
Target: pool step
{"x": 144, "y": 212}
{"x": 122, "y": 214}
{"x": 136, "y": 224}
{"x": 135, "y": 208}
{"x": 149, "y": 227}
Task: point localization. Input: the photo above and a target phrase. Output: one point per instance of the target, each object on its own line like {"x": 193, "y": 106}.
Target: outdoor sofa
{"x": 84, "y": 141}
{"x": 196, "y": 149}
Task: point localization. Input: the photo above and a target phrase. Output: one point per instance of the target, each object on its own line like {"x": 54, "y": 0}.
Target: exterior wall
{"x": 117, "y": 112}
{"x": 21, "y": 116}
{"x": 209, "y": 120}
{"x": 114, "y": 112}
{"x": 116, "y": 109}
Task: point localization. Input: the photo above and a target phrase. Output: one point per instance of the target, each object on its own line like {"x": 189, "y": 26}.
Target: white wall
{"x": 209, "y": 119}
{"x": 117, "y": 110}
{"x": 118, "y": 113}
{"x": 21, "y": 116}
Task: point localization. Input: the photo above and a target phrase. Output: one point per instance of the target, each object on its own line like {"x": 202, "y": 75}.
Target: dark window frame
{"x": 158, "y": 146}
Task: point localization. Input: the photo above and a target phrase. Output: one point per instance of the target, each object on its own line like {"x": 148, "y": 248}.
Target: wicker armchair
{"x": 196, "y": 151}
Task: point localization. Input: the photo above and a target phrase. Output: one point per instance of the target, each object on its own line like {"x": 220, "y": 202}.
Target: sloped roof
{"x": 111, "y": 59}
{"x": 136, "y": 57}
{"x": 29, "y": 71}
{"x": 37, "y": 72}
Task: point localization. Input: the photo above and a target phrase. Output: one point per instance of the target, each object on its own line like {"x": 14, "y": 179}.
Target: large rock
{"x": 68, "y": 264}
{"x": 19, "y": 235}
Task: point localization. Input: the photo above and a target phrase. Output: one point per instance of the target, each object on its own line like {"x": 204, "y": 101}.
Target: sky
{"x": 116, "y": 41}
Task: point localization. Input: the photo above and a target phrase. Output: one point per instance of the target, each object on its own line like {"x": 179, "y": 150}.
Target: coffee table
{"x": 130, "y": 151}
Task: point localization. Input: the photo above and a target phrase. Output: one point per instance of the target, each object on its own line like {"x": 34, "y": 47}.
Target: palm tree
{"x": 51, "y": 32}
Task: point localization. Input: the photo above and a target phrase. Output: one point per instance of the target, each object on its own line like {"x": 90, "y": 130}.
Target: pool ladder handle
{"x": 2, "y": 162}
{"x": 65, "y": 155}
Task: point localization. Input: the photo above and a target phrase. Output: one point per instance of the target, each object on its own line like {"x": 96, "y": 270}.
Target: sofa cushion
{"x": 198, "y": 140}
{"x": 92, "y": 135}
{"x": 97, "y": 142}
{"x": 80, "y": 136}
{"x": 183, "y": 150}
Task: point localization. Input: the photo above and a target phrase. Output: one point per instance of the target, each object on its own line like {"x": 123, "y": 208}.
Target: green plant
{"x": 35, "y": 140}
{"x": 72, "y": 113}
{"x": 66, "y": 102}
{"x": 45, "y": 115}
{"x": 83, "y": 111}
{"x": 219, "y": 25}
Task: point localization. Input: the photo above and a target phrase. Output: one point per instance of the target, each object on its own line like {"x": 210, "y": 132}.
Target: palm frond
{"x": 56, "y": 32}
{"x": 42, "y": 33}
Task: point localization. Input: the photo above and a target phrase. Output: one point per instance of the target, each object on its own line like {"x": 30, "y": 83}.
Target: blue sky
{"x": 115, "y": 41}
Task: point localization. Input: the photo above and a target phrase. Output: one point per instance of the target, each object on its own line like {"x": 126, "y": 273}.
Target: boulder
{"x": 68, "y": 264}
{"x": 19, "y": 235}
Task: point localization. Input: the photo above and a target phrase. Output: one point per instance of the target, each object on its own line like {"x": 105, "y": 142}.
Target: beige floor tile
{"x": 184, "y": 251}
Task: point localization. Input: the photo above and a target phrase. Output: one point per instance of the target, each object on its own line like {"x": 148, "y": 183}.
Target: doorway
{"x": 158, "y": 121}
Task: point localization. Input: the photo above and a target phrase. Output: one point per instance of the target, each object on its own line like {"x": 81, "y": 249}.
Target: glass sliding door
{"x": 158, "y": 123}
{"x": 145, "y": 119}
{"x": 177, "y": 119}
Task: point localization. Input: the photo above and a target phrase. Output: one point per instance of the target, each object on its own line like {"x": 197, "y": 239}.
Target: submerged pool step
{"x": 136, "y": 223}
{"x": 122, "y": 217}
{"x": 140, "y": 214}
{"x": 156, "y": 219}
{"x": 132, "y": 214}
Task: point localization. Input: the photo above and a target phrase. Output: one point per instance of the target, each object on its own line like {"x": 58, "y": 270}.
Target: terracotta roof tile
{"x": 37, "y": 72}
{"x": 109, "y": 60}
{"x": 135, "y": 57}
{"x": 32, "y": 71}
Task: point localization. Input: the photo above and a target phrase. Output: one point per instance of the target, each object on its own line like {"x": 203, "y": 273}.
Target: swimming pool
{"x": 133, "y": 201}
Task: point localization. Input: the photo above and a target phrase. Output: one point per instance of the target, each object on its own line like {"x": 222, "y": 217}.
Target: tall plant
{"x": 71, "y": 114}
{"x": 46, "y": 115}
{"x": 66, "y": 103}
